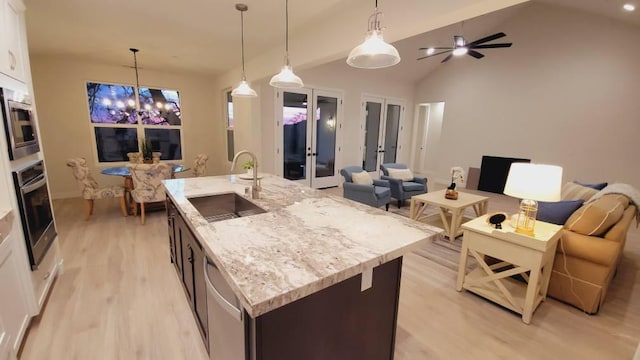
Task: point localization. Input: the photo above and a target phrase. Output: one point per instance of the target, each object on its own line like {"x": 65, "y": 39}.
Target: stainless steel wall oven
{"x": 35, "y": 211}
{"x": 19, "y": 124}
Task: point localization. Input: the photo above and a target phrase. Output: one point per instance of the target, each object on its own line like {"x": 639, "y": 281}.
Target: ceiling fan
{"x": 461, "y": 47}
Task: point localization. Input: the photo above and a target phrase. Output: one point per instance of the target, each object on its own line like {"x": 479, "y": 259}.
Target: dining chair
{"x": 200, "y": 165}
{"x": 90, "y": 188}
{"x": 147, "y": 185}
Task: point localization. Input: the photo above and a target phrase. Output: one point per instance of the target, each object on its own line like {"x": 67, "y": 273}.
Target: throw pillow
{"x": 362, "y": 178}
{"x": 597, "y": 186}
{"x": 598, "y": 216}
{"x": 572, "y": 191}
{"x": 557, "y": 212}
{"x": 402, "y": 174}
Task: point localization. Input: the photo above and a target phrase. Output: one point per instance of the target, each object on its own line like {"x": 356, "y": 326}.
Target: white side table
{"x": 526, "y": 253}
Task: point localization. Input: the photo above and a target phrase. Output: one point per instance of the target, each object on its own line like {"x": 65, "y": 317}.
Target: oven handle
{"x": 34, "y": 185}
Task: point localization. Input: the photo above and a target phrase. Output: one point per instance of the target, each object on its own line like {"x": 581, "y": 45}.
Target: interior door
{"x": 382, "y": 126}
{"x": 307, "y": 124}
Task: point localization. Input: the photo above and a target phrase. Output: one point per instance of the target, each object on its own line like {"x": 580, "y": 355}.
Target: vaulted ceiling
{"x": 204, "y": 36}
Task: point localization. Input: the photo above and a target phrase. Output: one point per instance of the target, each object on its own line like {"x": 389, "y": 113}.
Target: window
{"x": 122, "y": 116}
{"x": 229, "y": 116}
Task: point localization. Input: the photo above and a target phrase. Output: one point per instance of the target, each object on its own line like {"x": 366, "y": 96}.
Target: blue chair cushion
{"x": 381, "y": 191}
{"x": 557, "y": 212}
{"x": 412, "y": 186}
{"x": 598, "y": 186}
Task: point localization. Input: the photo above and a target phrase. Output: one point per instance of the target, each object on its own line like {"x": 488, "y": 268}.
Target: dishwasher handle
{"x": 226, "y": 305}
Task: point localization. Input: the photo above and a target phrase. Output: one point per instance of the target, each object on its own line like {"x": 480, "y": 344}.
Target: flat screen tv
{"x": 494, "y": 171}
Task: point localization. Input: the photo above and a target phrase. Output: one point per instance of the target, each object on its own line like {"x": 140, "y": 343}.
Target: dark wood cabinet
{"x": 341, "y": 322}
{"x": 175, "y": 247}
{"x": 188, "y": 257}
{"x": 199, "y": 287}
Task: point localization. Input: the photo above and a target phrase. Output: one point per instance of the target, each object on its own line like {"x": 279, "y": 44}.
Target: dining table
{"x": 124, "y": 171}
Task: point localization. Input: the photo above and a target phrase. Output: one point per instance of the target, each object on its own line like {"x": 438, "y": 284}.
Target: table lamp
{"x": 532, "y": 183}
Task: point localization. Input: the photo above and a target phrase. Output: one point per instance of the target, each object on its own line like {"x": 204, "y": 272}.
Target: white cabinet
{"x": 12, "y": 49}
{"x": 14, "y": 310}
{"x": 6, "y": 350}
{"x": 42, "y": 278}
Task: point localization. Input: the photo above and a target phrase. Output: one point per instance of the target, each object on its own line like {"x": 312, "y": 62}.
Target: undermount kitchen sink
{"x": 224, "y": 207}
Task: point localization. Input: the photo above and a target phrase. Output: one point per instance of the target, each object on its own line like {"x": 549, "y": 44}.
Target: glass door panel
{"x": 308, "y": 136}
{"x": 325, "y": 152}
{"x": 391, "y": 133}
{"x": 327, "y": 109}
{"x": 294, "y": 127}
{"x": 373, "y": 111}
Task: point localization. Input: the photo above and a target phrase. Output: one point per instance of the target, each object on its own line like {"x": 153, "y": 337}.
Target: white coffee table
{"x": 450, "y": 211}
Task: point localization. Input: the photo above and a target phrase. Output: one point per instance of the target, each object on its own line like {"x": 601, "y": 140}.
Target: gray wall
{"x": 566, "y": 93}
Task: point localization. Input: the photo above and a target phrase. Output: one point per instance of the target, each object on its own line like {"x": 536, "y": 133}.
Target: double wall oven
{"x": 29, "y": 179}
{"x": 36, "y": 213}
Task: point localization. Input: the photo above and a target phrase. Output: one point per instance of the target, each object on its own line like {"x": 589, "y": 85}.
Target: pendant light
{"x": 147, "y": 112}
{"x": 243, "y": 89}
{"x": 286, "y": 79}
{"x": 374, "y": 52}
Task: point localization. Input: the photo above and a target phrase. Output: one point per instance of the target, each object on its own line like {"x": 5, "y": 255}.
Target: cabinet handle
{"x": 190, "y": 257}
{"x": 13, "y": 60}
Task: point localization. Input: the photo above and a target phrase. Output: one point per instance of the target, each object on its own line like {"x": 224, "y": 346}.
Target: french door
{"x": 381, "y": 127}
{"x": 308, "y": 123}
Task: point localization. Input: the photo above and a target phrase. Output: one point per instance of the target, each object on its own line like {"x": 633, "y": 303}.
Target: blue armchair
{"x": 375, "y": 195}
{"x": 402, "y": 190}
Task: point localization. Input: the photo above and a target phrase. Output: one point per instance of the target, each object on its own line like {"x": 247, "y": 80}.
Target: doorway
{"x": 308, "y": 124}
{"x": 427, "y": 128}
{"x": 382, "y": 118}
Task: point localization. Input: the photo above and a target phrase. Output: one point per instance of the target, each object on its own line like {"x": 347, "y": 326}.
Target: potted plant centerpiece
{"x": 146, "y": 150}
{"x": 457, "y": 175}
{"x": 249, "y": 167}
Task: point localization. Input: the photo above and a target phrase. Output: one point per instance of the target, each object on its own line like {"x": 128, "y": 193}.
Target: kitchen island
{"x": 317, "y": 276}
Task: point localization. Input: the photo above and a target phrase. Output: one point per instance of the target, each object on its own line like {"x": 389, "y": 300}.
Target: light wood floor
{"x": 119, "y": 298}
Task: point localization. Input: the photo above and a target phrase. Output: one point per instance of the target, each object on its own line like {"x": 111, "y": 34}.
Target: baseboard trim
{"x": 65, "y": 195}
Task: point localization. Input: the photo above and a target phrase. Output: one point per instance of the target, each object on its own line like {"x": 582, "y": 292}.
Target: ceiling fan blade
{"x": 447, "y": 58}
{"x": 488, "y": 38}
{"x": 491, "y": 46}
{"x": 432, "y": 55}
{"x": 475, "y": 54}
{"x": 437, "y": 48}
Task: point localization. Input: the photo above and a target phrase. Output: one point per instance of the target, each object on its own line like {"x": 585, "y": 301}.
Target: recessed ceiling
{"x": 188, "y": 35}
{"x": 609, "y": 8}
{"x": 204, "y": 36}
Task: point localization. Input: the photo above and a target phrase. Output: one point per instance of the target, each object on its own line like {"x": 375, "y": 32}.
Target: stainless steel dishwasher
{"x": 226, "y": 317}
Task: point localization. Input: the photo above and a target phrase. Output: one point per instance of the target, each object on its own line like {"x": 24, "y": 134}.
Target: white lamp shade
{"x": 534, "y": 182}
{"x": 373, "y": 53}
{"x": 286, "y": 79}
{"x": 243, "y": 90}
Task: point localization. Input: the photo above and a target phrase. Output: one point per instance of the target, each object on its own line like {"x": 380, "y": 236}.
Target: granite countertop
{"x": 305, "y": 242}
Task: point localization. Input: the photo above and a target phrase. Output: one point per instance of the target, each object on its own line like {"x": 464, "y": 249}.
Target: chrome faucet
{"x": 255, "y": 189}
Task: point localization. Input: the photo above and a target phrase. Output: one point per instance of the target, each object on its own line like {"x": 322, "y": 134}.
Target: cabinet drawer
{"x": 46, "y": 272}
